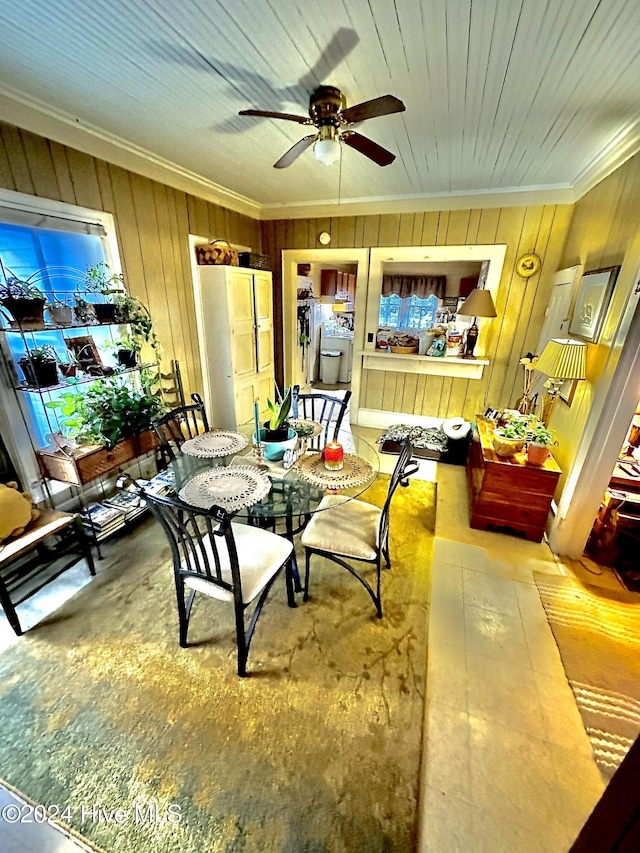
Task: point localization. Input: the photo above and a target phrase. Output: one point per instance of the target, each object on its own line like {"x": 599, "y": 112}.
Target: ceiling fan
{"x": 329, "y": 113}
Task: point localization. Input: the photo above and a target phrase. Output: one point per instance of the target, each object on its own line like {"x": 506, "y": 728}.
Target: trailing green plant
{"x": 106, "y": 412}
{"x": 135, "y": 314}
{"x": 279, "y": 409}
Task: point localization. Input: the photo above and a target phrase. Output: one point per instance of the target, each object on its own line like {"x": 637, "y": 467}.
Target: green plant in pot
{"x": 277, "y": 427}
{"x": 40, "y": 367}
{"x": 541, "y": 438}
{"x": 510, "y": 438}
{"x": 100, "y": 280}
{"x": 24, "y": 301}
{"x": 127, "y": 351}
{"x": 60, "y": 312}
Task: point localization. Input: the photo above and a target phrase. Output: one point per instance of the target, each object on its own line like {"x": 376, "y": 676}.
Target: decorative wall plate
{"x": 233, "y": 487}
{"x": 355, "y": 471}
{"x": 211, "y": 445}
{"x": 528, "y": 265}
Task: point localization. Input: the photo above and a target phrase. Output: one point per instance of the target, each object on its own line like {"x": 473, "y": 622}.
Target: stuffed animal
{"x": 16, "y": 510}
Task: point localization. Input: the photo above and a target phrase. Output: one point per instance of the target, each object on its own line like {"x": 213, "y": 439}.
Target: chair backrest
{"x": 404, "y": 468}
{"x": 179, "y": 424}
{"x": 196, "y": 538}
{"x": 322, "y": 408}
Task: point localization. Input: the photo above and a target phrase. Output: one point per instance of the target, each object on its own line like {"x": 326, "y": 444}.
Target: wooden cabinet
{"x": 235, "y": 329}
{"x": 508, "y": 495}
{"x": 338, "y": 285}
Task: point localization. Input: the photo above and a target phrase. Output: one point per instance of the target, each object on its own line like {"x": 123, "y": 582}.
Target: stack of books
{"x": 100, "y": 520}
{"x": 161, "y": 484}
{"x": 127, "y": 502}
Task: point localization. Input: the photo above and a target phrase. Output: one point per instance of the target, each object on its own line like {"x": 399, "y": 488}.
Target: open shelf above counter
{"x": 448, "y": 365}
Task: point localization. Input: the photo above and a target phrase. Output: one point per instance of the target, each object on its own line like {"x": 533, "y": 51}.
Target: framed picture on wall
{"x": 84, "y": 350}
{"x": 568, "y": 390}
{"x": 591, "y": 305}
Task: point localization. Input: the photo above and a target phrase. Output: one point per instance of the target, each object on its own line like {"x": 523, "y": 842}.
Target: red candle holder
{"x": 333, "y": 456}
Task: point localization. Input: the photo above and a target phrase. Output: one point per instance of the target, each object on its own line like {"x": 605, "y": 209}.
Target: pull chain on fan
{"x": 331, "y": 117}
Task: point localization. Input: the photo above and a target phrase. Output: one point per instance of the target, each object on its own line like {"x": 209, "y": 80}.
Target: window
{"x": 411, "y": 313}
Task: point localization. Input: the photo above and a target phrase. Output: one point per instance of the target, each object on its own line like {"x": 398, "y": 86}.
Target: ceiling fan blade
{"x": 293, "y": 153}
{"x": 267, "y": 114}
{"x": 368, "y": 147}
{"x": 382, "y": 106}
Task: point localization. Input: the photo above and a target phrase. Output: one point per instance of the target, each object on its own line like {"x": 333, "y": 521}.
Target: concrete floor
{"x": 507, "y": 765}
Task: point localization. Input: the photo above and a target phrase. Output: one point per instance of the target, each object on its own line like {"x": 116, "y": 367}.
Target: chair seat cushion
{"x": 260, "y": 555}
{"x": 346, "y": 528}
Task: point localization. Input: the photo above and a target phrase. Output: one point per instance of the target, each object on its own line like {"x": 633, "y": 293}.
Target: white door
{"x": 557, "y": 316}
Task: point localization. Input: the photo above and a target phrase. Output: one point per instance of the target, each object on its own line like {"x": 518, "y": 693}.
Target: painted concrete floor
{"x": 507, "y": 765}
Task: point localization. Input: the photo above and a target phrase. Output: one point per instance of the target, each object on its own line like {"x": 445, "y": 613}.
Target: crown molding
{"x": 26, "y": 112}
{"x": 621, "y": 148}
{"x": 509, "y": 197}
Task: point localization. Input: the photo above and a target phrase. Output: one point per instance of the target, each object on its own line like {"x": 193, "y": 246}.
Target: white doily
{"x": 211, "y": 445}
{"x": 232, "y": 488}
{"x": 355, "y": 472}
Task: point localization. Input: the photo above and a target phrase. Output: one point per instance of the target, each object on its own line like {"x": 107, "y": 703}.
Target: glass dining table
{"x": 292, "y": 495}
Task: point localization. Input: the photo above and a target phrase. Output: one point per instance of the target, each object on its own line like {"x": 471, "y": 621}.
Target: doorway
{"x": 324, "y": 299}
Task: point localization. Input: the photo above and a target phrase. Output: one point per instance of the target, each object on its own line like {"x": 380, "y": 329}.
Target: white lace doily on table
{"x": 310, "y": 429}
{"x": 354, "y": 472}
{"x": 232, "y": 488}
{"x": 211, "y": 445}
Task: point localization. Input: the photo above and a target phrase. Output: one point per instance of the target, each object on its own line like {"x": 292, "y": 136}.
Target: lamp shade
{"x": 478, "y": 304}
{"x": 563, "y": 359}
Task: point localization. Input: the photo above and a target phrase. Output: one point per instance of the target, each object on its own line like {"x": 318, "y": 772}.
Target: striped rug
{"x": 598, "y": 634}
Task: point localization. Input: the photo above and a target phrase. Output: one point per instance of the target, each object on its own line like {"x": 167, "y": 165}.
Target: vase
{"x": 537, "y": 454}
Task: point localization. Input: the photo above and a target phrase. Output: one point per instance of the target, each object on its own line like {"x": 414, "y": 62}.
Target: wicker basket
{"x": 404, "y": 350}
{"x": 217, "y": 253}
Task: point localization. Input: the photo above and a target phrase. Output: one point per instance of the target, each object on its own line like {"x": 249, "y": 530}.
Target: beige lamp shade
{"x": 478, "y": 304}
{"x": 563, "y": 359}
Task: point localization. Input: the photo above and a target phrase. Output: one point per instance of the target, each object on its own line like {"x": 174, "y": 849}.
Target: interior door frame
{"x": 290, "y": 259}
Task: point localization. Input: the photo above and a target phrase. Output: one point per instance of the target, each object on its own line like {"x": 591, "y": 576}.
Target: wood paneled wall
{"x": 605, "y": 222}
{"x": 153, "y": 222}
{"x": 520, "y": 304}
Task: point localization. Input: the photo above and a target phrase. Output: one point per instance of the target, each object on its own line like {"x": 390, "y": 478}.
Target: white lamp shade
{"x": 563, "y": 359}
{"x": 327, "y": 151}
{"x": 478, "y": 304}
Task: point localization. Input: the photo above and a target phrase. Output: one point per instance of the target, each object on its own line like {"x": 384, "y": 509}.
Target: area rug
{"x": 317, "y": 750}
{"x": 597, "y": 631}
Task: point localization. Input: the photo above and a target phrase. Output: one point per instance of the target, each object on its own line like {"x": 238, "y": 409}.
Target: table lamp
{"x": 561, "y": 359}
{"x": 477, "y": 304}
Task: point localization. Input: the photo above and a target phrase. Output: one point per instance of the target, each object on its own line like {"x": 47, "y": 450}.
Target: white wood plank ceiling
{"x": 501, "y": 95}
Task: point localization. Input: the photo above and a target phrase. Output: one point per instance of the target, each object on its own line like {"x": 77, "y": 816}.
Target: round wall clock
{"x": 324, "y": 238}
{"x": 528, "y": 265}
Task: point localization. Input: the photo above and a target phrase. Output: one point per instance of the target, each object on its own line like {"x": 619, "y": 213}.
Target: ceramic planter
{"x": 27, "y": 313}
{"x": 273, "y": 449}
{"x": 280, "y": 434}
{"x": 105, "y": 312}
{"x": 506, "y": 447}
{"x": 61, "y": 315}
{"x": 537, "y": 454}
{"x": 39, "y": 374}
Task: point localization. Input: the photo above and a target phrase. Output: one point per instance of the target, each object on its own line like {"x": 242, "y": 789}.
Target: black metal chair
{"x": 322, "y": 408}
{"x": 231, "y": 562}
{"x": 355, "y": 530}
{"x": 178, "y": 425}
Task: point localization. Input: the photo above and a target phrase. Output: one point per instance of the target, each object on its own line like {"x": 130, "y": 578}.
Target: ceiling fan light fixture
{"x": 327, "y": 150}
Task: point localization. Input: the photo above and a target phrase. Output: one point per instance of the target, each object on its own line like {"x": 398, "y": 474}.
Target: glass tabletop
{"x": 291, "y": 494}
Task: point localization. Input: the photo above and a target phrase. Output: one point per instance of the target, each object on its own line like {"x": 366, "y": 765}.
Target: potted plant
{"x": 24, "y": 301}
{"x": 127, "y": 351}
{"x": 99, "y": 280}
{"x": 40, "y": 367}
{"x": 277, "y": 427}
{"x": 510, "y": 438}
{"x": 60, "y": 312}
{"x": 540, "y": 440}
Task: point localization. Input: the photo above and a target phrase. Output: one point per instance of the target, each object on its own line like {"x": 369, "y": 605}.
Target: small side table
{"x": 508, "y": 495}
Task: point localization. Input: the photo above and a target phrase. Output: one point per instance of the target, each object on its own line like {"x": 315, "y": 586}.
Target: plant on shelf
{"x": 105, "y": 412}
{"x": 40, "y": 367}
{"x": 60, "y": 312}
{"x": 22, "y": 299}
{"x": 540, "y": 439}
{"x": 127, "y": 350}
{"x": 510, "y": 438}
{"x": 100, "y": 280}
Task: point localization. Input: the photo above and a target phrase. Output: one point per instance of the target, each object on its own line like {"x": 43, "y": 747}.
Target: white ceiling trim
{"x": 20, "y": 109}
{"x": 26, "y": 112}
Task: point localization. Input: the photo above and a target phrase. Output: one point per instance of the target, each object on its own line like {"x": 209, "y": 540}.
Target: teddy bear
{"x": 16, "y": 510}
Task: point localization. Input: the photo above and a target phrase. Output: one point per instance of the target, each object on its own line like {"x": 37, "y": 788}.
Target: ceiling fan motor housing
{"x": 325, "y": 104}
